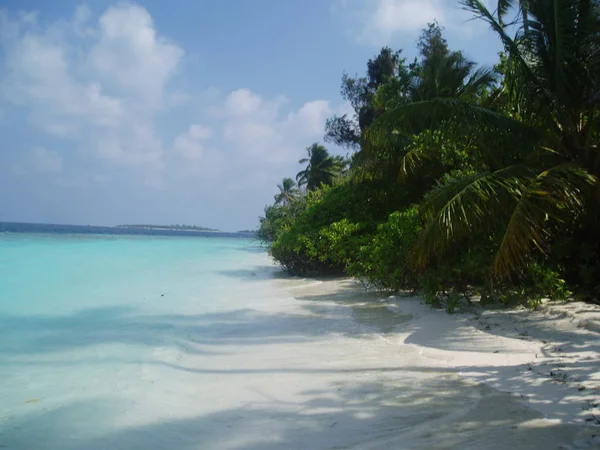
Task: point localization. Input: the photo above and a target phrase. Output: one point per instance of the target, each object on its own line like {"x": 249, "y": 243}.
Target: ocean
{"x": 93, "y": 321}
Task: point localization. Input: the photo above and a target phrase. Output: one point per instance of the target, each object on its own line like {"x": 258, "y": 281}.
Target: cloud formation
{"x": 99, "y": 84}
{"x": 378, "y": 22}
{"x": 190, "y": 144}
{"x": 255, "y": 139}
{"x": 105, "y": 113}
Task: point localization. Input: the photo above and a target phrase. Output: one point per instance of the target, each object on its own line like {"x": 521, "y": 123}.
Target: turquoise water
{"x": 65, "y": 274}
{"x": 93, "y": 326}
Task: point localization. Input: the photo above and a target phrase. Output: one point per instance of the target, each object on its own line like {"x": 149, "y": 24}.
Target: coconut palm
{"x": 551, "y": 131}
{"x": 321, "y": 168}
{"x": 287, "y": 192}
{"x": 439, "y": 75}
{"x": 522, "y": 8}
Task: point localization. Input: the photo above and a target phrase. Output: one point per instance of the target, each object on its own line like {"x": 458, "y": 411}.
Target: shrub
{"x": 335, "y": 223}
{"x": 384, "y": 262}
{"x": 278, "y": 218}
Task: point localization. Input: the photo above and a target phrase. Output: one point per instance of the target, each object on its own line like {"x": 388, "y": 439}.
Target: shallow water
{"x": 196, "y": 343}
{"x": 87, "y": 322}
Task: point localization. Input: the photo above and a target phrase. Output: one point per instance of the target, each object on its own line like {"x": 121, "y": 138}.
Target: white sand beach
{"x": 308, "y": 364}
{"x": 498, "y": 379}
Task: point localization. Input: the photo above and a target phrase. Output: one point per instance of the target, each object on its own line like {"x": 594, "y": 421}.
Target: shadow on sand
{"x": 402, "y": 412}
{"x": 365, "y": 416}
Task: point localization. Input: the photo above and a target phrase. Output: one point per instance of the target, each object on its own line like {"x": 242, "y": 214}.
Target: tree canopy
{"x": 463, "y": 178}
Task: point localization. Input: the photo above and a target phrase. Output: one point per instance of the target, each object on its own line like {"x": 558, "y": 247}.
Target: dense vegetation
{"x": 462, "y": 179}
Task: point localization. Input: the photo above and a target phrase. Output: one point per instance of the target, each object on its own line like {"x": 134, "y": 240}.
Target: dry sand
{"x": 494, "y": 379}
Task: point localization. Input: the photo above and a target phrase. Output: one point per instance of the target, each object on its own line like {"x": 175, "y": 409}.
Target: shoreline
{"x": 260, "y": 361}
{"x": 546, "y": 361}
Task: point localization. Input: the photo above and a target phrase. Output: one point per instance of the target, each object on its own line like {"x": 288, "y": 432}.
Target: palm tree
{"x": 551, "y": 132}
{"x": 287, "y": 192}
{"x": 321, "y": 168}
{"x": 439, "y": 75}
{"x": 504, "y": 6}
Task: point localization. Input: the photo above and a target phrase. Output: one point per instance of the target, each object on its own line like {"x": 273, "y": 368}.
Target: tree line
{"x": 462, "y": 179}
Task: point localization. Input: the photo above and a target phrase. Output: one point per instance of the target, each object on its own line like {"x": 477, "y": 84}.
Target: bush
{"x": 384, "y": 262}
{"x": 279, "y": 218}
{"x": 335, "y": 223}
{"x": 538, "y": 282}
{"x": 450, "y": 282}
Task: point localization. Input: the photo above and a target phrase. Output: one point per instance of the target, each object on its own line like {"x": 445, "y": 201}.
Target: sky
{"x": 187, "y": 111}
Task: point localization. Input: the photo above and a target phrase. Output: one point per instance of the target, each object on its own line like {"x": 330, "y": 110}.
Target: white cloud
{"x": 310, "y": 118}
{"x": 134, "y": 145}
{"x": 393, "y": 16}
{"x": 39, "y": 77}
{"x": 378, "y": 22}
{"x": 243, "y": 102}
{"x": 44, "y": 160}
{"x": 129, "y": 54}
{"x": 190, "y": 144}
{"x": 59, "y": 129}
{"x": 81, "y": 19}
{"x": 264, "y": 133}
{"x": 254, "y": 139}
{"x": 99, "y": 83}
{"x": 178, "y": 98}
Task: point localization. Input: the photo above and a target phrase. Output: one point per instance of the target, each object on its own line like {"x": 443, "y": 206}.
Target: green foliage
{"x": 384, "y": 262}
{"x": 337, "y": 220}
{"x": 279, "y": 218}
{"x": 287, "y": 192}
{"x": 502, "y": 164}
{"x": 450, "y": 282}
{"x": 538, "y": 283}
{"x": 339, "y": 242}
{"x": 321, "y": 168}
{"x": 360, "y": 92}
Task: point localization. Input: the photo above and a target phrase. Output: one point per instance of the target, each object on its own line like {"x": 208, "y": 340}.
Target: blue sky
{"x": 183, "y": 111}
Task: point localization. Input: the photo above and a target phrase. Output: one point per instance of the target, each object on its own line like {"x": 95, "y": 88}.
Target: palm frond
{"x": 503, "y": 7}
{"x": 554, "y": 197}
{"x": 466, "y": 205}
{"x": 413, "y": 118}
{"x": 481, "y": 77}
{"x": 415, "y": 159}
{"x": 512, "y": 47}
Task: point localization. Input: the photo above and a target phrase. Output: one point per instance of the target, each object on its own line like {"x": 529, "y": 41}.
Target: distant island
{"x": 248, "y": 231}
{"x": 169, "y": 227}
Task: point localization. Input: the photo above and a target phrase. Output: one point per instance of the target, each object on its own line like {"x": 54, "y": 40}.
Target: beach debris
{"x": 558, "y": 376}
